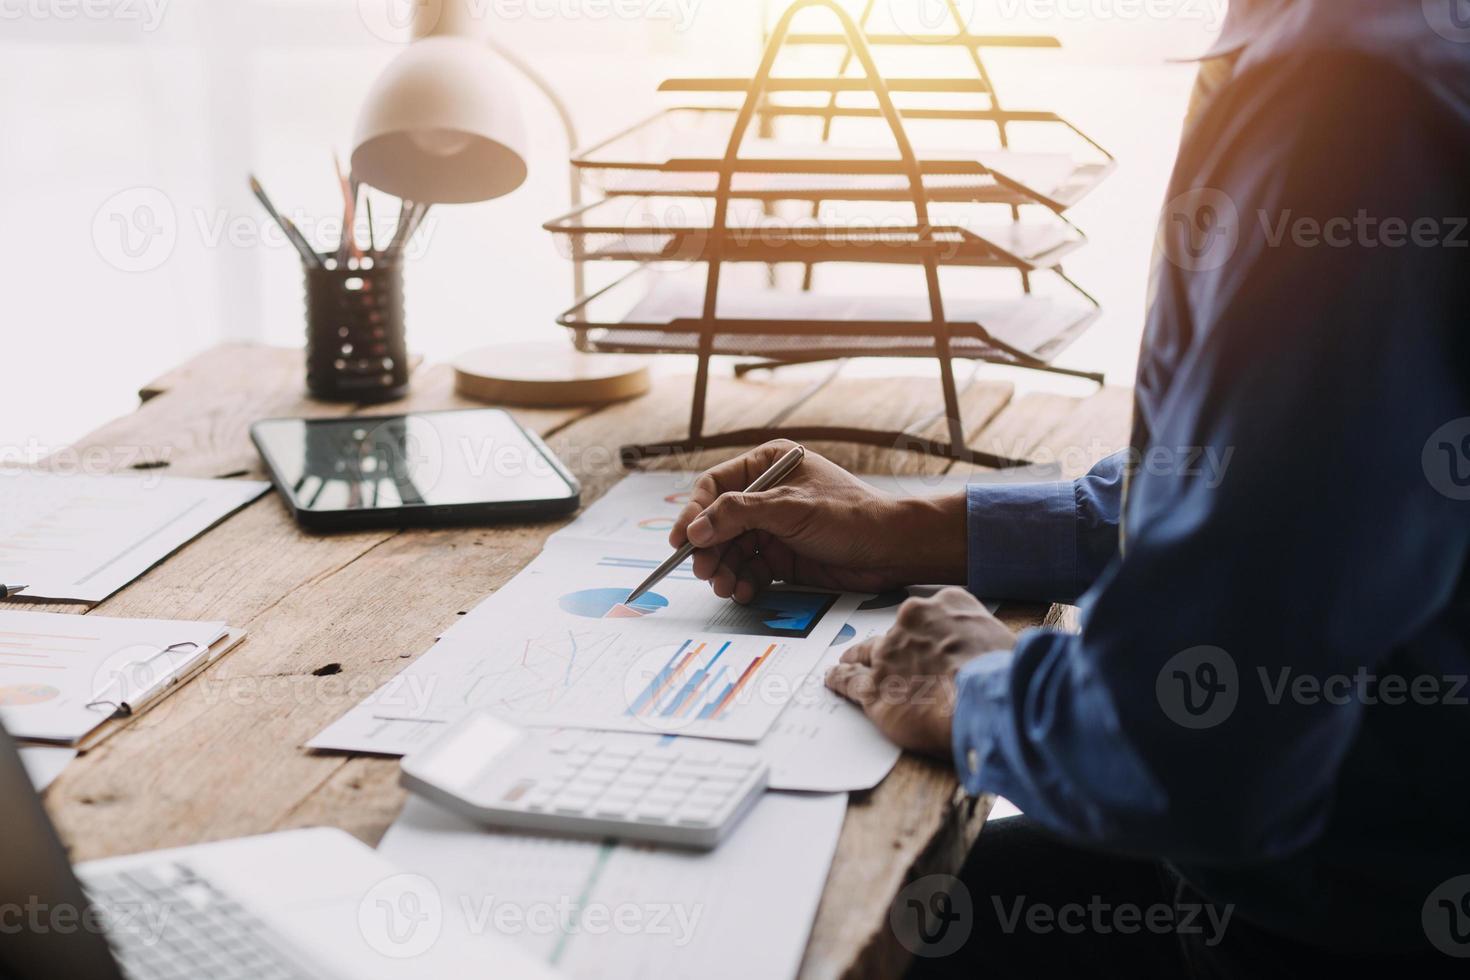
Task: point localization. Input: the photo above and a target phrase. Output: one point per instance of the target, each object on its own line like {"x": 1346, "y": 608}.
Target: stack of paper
{"x": 557, "y": 647}
{"x": 603, "y": 910}
{"x": 84, "y": 537}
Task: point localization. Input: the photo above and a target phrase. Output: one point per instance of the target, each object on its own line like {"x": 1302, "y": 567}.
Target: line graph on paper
{"x": 549, "y": 666}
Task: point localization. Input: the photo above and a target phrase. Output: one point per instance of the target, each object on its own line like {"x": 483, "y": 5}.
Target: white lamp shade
{"x": 441, "y": 126}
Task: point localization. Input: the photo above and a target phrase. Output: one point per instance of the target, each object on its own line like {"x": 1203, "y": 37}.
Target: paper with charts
{"x": 82, "y": 538}
{"x": 558, "y": 646}
{"x": 53, "y": 668}
{"x": 600, "y": 910}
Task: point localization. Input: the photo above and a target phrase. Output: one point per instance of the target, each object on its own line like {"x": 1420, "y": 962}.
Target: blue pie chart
{"x": 611, "y": 604}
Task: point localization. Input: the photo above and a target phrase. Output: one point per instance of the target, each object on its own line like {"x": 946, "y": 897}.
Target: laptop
{"x": 297, "y": 905}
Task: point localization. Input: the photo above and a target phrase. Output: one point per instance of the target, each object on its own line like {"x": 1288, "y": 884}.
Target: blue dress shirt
{"x": 1269, "y": 691}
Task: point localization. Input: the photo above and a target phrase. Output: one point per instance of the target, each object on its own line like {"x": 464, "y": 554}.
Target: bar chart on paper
{"x": 561, "y": 646}
{"x": 694, "y": 684}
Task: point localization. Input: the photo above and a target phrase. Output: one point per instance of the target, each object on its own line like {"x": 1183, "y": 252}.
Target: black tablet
{"x": 473, "y": 466}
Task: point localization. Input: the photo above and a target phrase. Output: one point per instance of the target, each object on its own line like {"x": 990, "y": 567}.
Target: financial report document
{"x": 82, "y": 538}
{"x": 601, "y": 910}
{"x": 572, "y": 665}
{"x": 559, "y": 646}
{"x": 62, "y": 676}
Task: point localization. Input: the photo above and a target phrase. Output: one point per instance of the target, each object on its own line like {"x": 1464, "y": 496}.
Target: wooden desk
{"x": 331, "y": 618}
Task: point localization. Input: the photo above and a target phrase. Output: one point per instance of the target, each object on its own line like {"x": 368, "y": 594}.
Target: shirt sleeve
{"x": 1321, "y": 372}
{"x": 1044, "y": 542}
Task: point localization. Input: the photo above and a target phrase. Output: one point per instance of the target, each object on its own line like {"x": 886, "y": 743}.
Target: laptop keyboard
{"x": 166, "y": 921}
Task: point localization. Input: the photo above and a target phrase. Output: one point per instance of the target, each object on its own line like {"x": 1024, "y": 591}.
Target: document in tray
{"x": 63, "y": 676}
{"x": 84, "y": 537}
{"x": 560, "y": 647}
{"x": 624, "y": 912}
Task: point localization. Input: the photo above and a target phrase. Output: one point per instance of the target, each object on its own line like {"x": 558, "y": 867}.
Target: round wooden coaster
{"x": 548, "y": 374}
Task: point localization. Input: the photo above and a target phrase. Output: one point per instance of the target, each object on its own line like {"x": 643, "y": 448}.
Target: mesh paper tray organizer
{"x": 681, "y": 151}
{"x": 715, "y": 187}
{"x": 677, "y": 229}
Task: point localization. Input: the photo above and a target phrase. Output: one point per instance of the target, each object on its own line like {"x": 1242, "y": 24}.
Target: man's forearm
{"x": 928, "y": 540}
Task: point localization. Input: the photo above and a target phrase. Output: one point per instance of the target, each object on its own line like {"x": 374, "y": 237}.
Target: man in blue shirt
{"x": 1260, "y": 726}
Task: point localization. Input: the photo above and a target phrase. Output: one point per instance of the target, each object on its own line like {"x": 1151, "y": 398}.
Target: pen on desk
{"x": 293, "y": 234}
{"x": 9, "y": 591}
{"x": 778, "y": 472}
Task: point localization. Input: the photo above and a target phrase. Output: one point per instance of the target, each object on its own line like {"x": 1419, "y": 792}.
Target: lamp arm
{"x": 579, "y": 279}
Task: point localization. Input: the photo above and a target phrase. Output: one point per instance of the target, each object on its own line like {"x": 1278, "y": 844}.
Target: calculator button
{"x": 561, "y": 744}
{"x": 696, "y": 818}
{"x": 637, "y": 781}
{"x": 617, "y": 753}
{"x": 573, "y": 804}
{"x": 653, "y": 811}
{"x": 610, "y": 808}
{"x": 737, "y": 765}
{"x": 519, "y": 790}
{"x": 724, "y": 778}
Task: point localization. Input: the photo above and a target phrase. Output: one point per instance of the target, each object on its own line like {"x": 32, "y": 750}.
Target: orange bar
{"x": 749, "y": 672}
{"x": 662, "y": 688}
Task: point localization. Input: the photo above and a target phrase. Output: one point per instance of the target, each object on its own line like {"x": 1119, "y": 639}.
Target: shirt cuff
{"x": 1022, "y": 541}
{"x": 982, "y": 702}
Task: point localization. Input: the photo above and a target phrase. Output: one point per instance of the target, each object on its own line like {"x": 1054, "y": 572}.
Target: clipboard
{"x": 139, "y": 700}
{"x": 129, "y": 701}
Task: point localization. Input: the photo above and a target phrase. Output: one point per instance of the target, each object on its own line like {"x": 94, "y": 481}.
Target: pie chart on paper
{"x": 611, "y": 604}
{"x": 16, "y": 695}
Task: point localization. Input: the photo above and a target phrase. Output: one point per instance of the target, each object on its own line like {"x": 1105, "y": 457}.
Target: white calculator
{"x": 681, "y": 791}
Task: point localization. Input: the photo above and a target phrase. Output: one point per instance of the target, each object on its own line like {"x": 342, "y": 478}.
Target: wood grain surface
{"x": 331, "y": 617}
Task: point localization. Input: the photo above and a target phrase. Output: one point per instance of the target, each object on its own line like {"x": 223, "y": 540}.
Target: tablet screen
{"x": 431, "y": 459}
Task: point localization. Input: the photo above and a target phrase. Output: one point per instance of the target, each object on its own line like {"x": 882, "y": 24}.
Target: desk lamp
{"x": 441, "y": 126}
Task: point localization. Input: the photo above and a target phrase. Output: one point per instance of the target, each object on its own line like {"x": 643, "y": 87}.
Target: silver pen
{"x": 778, "y": 472}
{"x": 11, "y": 591}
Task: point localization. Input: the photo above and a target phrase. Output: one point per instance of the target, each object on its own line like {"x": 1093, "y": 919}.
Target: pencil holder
{"x": 355, "y": 346}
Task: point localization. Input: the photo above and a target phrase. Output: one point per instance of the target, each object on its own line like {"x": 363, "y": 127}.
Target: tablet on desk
{"x": 469, "y": 466}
